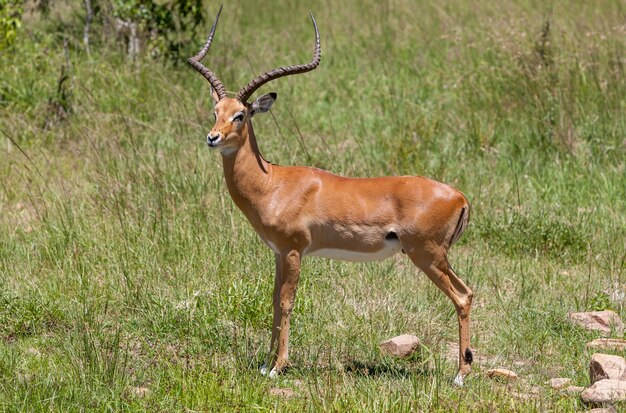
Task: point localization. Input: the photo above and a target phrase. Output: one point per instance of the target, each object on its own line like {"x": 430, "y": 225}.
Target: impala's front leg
{"x": 271, "y": 355}
{"x": 285, "y": 285}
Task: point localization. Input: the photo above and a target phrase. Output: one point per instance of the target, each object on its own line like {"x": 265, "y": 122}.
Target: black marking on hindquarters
{"x": 460, "y": 226}
{"x": 469, "y": 357}
{"x": 391, "y": 236}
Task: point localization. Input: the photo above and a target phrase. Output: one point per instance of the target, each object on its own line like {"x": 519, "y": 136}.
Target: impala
{"x": 302, "y": 211}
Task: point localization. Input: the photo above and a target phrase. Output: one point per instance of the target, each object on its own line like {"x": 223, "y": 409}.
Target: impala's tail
{"x": 462, "y": 224}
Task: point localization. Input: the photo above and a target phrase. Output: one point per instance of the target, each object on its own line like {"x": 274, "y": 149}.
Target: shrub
{"x": 10, "y": 21}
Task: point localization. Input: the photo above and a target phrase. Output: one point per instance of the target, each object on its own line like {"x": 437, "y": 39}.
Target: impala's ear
{"x": 263, "y": 103}
{"x": 214, "y": 95}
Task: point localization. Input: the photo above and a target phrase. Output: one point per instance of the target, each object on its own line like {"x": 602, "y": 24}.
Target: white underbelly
{"x": 391, "y": 247}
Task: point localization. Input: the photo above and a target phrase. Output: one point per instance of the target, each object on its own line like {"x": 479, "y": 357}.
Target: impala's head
{"x": 233, "y": 114}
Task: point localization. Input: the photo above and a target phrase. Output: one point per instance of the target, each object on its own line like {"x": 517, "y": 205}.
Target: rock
{"x": 523, "y": 396}
{"x": 608, "y": 344}
{"x": 603, "y": 321}
{"x": 573, "y": 390}
{"x": 605, "y": 366}
{"x": 526, "y": 392}
{"x": 551, "y": 371}
{"x": 605, "y": 391}
{"x": 521, "y": 363}
{"x": 278, "y": 392}
{"x": 400, "y": 346}
{"x": 559, "y": 383}
{"x": 140, "y": 391}
{"x": 609, "y": 409}
{"x": 24, "y": 377}
{"x": 501, "y": 374}
{"x": 31, "y": 351}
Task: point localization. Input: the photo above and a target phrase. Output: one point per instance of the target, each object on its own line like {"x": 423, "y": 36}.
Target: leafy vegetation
{"x": 124, "y": 265}
{"x": 10, "y": 21}
{"x": 169, "y": 24}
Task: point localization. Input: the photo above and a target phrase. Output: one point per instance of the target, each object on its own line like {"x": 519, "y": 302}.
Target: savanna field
{"x": 129, "y": 280}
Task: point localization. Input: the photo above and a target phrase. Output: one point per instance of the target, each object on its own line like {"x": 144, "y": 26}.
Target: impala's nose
{"x": 213, "y": 140}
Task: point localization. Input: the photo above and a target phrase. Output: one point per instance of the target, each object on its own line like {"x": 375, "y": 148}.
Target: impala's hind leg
{"x": 434, "y": 263}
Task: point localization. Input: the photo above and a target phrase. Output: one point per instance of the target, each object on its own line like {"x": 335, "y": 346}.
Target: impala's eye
{"x": 238, "y": 117}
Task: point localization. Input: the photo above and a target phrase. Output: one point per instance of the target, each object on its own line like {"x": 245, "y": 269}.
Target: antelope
{"x": 300, "y": 211}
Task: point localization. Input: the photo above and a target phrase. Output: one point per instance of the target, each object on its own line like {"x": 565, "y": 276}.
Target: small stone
{"x": 501, "y": 374}
{"x": 140, "y": 391}
{"x": 559, "y": 383}
{"x": 400, "y": 346}
{"x": 278, "y": 392}
{"x": 603, "y": 321}
{"x": 33, "y": 352}
{"x": 521, "y": 363}
{"x": 608, "y": 344}
{"x": 605, "y": 366}
{"x": 24, "y": 377}
{"x": 609, "y": 409}
{"x": 551, "y": 371}
{"x": 605, "y": 391}
{"x": 522, "y": 395}
{"x": 573, "y": 390}
{"x": 526, "y": 392}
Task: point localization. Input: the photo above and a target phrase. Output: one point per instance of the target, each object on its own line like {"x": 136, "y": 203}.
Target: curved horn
{"x": 195, "y": 62}
{"x": 256, "y": 83}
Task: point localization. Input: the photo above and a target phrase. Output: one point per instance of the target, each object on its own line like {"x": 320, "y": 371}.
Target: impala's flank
{"x": 300, "y": 211}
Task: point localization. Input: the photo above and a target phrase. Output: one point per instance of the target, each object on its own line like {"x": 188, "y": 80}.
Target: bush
{"x": 166, "y": 24}
{"x": 10, "y": 21}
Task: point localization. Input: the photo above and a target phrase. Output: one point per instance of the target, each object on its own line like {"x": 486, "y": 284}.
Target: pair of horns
{"x": 244, "y": 94}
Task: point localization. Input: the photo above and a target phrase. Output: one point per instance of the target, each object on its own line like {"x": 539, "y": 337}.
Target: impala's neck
{"x": 246, "y": 172}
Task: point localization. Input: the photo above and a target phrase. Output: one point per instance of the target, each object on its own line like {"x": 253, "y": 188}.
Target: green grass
{"x": 124, "y": 263}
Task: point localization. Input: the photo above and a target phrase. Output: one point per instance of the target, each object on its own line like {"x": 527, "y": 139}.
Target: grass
{"x": 125, "y": 265}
